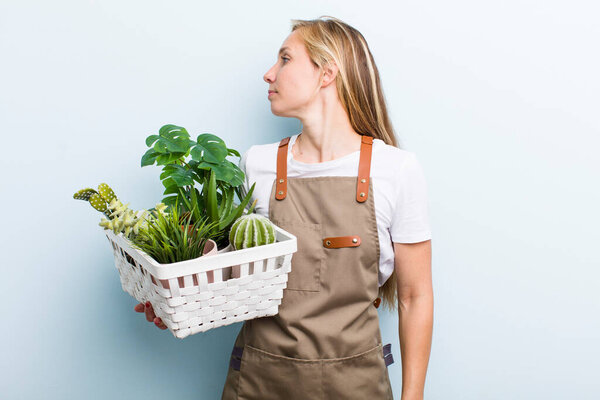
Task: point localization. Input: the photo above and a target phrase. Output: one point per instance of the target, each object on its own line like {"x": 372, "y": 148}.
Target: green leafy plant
{"x": 218, "y": 177}
{"x": 169, "y": 238}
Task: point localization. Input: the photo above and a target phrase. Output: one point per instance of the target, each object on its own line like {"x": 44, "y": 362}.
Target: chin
{"x": 277, "y": 112}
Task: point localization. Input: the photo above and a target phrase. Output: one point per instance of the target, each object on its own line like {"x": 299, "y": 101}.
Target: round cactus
{"x": 251, "y": 230}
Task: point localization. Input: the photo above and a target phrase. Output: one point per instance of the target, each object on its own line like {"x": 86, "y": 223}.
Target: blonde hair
{"x": 328, "y": 39}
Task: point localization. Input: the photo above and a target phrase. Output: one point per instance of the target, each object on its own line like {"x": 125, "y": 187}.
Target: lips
{"x": 272, "y": 91}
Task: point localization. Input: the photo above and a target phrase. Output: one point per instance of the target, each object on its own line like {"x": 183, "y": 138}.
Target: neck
{"x": 327, "y": 133}
{"x": 326, "y": 140}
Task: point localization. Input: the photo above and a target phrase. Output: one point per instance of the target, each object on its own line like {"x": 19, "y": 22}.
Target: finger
{"x": 158, "y": 322}
{"x": 149, "y": 312}
{"x": 152, "y": 314}
{"x": 139, "y": 308}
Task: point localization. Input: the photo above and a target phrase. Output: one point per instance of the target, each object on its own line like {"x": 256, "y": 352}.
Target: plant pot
{"x": 210, "y": 248}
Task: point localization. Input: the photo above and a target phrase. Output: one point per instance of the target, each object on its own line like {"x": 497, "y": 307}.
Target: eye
{"x": 284, "y": 58}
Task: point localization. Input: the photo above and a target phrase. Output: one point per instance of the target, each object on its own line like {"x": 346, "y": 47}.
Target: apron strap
{"x": 281, "y": 186}
{"x": 364, "y": 168}
{"x": 377, "y": 302}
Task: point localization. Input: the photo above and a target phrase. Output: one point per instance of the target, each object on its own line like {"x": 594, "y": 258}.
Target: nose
{"x": 269, "y": 77}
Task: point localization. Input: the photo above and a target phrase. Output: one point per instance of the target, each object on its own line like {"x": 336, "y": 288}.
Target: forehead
{"x": 291, "y": 43}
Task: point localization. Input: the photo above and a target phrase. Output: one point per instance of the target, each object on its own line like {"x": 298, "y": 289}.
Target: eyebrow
{"x": 281, "y": 50}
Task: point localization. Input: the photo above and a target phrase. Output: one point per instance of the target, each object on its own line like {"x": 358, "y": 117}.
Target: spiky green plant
{"x": 168, "y": 239}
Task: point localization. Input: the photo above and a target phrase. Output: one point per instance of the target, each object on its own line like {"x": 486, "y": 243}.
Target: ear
{"x": 329, "y": 73}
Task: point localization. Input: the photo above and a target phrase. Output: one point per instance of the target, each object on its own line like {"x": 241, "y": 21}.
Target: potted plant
{"x": 207, "y": 165}
{"x": 177, "y": 254}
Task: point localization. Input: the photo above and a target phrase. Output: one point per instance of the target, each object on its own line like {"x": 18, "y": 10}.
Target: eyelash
{"x": 284, "y": 58}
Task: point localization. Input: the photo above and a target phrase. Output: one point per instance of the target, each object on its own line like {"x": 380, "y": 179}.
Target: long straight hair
{"x": 328, "y": 39}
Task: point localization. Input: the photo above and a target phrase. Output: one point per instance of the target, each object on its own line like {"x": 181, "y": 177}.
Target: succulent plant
{"x": 84, "y": 194}
{"x": 99, "y": 199}
{"x": 130, "y": 222}
{"x": 119, "y": 217}
{"x": 251, "y": 230}
{"x": 106, "y": 192}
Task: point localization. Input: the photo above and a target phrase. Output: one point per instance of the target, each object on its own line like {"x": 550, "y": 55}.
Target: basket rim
{"x": 286, "y": 243}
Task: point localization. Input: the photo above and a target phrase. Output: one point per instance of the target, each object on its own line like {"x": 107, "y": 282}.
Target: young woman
{"x": 358, "y": 206}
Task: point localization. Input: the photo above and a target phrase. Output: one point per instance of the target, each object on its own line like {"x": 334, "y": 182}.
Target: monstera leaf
{"x": 172, "y": 143}
{"x": 208, "y": 166}
{"x": 209, "y": 148}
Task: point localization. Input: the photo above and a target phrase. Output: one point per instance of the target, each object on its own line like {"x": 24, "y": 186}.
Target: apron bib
{"x": 325, "y": 342}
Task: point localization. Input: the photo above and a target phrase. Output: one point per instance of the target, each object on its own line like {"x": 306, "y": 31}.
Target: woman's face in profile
{"x": 294, "y": 78}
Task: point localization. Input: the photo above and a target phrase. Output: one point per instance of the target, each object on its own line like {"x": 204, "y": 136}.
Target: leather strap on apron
{"x": 325, "y": 342}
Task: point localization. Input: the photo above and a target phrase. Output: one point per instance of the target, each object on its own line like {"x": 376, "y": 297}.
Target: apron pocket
{"x": 267, "y": 376}
{"x": 307, "y": 262}
{"x": 362, "y": 376}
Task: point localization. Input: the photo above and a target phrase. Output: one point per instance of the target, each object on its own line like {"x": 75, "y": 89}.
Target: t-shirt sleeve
{"x": 410, "y": 221}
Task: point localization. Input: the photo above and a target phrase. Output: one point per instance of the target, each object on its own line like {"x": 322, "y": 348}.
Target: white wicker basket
{"x": 197, "y": 295}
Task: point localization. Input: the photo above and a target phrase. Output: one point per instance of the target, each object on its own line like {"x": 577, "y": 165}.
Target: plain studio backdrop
{"x": 499, "y": 100}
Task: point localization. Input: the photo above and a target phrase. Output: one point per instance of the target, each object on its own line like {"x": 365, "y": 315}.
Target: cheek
{"x": 297, "y": 85}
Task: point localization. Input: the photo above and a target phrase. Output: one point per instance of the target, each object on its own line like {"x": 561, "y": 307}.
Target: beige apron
{"x": 325, "y": 342}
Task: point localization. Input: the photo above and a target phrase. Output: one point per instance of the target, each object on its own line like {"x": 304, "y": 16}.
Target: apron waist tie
{"x": 236, "y": 356}
{"x": 387, "y": 354}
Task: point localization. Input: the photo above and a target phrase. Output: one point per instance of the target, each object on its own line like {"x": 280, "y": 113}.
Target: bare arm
{"x": 415, "y": 314}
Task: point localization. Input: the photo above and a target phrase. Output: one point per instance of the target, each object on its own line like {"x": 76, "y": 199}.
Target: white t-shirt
{"x": 400, "y": 190}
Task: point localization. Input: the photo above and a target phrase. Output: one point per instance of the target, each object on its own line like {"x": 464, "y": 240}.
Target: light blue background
{"x": 499, "y": 100}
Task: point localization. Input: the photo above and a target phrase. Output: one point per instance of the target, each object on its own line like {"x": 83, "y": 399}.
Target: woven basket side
{"x": 201, "y": 301}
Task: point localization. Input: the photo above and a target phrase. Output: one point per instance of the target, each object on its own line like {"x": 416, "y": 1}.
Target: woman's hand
{"x": 150, "y": 316}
